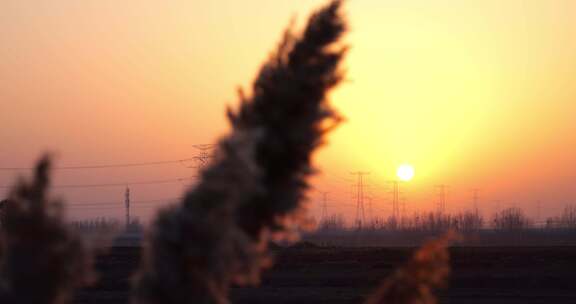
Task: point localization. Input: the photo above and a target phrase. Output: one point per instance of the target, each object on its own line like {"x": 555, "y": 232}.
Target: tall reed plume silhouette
{"x": 41, "y": 260}
{"x": 255, "y": 186}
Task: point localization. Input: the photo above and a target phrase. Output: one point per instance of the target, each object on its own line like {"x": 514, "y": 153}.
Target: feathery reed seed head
{"x": 255, "y": 186}
{"x": 41, "y": 260}
{"x": 428, "y": 269}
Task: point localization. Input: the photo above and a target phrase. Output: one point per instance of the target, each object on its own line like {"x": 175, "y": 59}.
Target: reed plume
{"x": 414, "y": 283}
{"x": 41, "y": 260}
{"x": 255, "y": 187}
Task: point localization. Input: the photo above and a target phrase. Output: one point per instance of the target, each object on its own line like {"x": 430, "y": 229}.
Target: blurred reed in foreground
{"x": 255, "y": 187}
{"x": 415, "y": 282}
{"x": 41, "y": 260}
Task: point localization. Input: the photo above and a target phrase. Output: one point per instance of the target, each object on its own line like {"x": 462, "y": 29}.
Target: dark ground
{"x": 308, "y": 274}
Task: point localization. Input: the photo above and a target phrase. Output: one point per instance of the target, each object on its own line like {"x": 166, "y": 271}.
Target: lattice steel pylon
{"x": 204, "y": 155}
{"x": 442, "y": 198}
{"x": 360, "y": 211}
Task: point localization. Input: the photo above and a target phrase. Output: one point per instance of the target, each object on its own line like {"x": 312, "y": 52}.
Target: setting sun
{"x": 405, "y": 172}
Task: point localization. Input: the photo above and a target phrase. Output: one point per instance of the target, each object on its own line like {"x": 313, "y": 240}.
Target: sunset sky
{"x": 473, "y": 94}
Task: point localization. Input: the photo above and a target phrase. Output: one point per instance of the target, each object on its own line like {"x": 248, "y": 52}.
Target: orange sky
{"x": 474, "y": 94}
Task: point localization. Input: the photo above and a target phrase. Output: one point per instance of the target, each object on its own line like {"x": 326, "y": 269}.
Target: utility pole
{"x": 442, "y": 198}
{"x": 127, "y": 203}
{"x": 360, "y": 214}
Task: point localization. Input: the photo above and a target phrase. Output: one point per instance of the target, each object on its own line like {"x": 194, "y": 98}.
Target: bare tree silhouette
{"x": 511, "y": 219}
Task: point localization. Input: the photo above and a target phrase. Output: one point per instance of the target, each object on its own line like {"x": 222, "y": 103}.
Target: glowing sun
{"x": 405, "y": 172}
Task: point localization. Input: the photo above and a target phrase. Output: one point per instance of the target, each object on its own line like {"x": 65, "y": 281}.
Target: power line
{"x": 115, "y": 208}
{"x": 119, "y": 184}
{"x": 335, "y": 177}
{"x": 118, "y": 203}
{"x": 121, "y": 165}
{"x": 96, "y": 207}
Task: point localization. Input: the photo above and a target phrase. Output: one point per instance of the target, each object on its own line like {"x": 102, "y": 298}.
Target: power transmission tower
{"x": 204, "y": 155}
{"x": 127, "y": 203}
{"x": 395, "y": 199}
{"x": 324, "y": 212}
{"x": 497, "y": 205}
{"x": 398, "y": 200}
{"x": 442, "y": 198}
{"x": 370, "y": 212}
{"x": 360, "y": 213}
{"x": 475, "y": 200}
{"x": 403, "y": 210}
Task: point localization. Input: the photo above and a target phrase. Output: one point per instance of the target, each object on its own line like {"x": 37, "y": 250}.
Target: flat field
{"x": 311, "y": 274}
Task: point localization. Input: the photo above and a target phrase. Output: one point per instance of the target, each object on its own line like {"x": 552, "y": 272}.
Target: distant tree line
{"x": 509, "y": 219}
{"x": 566, "y": 220}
